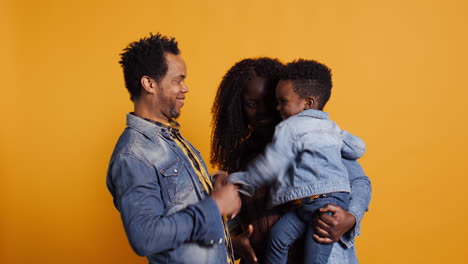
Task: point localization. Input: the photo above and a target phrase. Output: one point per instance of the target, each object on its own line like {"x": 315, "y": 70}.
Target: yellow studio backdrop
{"x": 400, "y": 83}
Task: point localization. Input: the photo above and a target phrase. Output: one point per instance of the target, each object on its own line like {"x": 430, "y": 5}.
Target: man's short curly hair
{"x": 309, "y": 78}
{"x": 146, "y": 57}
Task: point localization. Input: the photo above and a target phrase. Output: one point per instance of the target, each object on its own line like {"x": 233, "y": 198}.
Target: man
{"x": 170, "y": 210}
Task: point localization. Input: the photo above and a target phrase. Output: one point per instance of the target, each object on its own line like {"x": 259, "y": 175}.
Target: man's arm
{"x": 137, "y": 196}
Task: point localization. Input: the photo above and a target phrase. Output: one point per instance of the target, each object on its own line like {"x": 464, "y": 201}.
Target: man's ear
{"x": 148, "y": 84}
{"x": 310, "y": 101}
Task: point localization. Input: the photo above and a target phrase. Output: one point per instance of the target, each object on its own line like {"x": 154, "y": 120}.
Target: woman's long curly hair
{"x": 231, "y": 129}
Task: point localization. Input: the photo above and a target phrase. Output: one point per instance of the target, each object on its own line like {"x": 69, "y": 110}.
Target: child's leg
{"x": 283, "y": 233}
{"x": 315, "y": 252}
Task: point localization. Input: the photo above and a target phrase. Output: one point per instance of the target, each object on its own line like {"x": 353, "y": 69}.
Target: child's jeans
{"x": 294, "y": 224}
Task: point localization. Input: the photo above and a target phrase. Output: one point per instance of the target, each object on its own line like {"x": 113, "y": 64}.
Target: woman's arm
{"x": 242, "y": 246}
{"x": 340, "y": 225}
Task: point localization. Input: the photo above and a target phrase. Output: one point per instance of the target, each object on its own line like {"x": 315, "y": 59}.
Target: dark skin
{"x": 258, "y": 109}
{"x": 330, "y": 229}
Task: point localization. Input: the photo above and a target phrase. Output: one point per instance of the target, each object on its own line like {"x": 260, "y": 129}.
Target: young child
{"x": 303, "y": 162}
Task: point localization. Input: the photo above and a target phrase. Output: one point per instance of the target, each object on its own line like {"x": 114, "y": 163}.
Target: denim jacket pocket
{"x": 172, "y": 169}
{"x": 176, "y": 180}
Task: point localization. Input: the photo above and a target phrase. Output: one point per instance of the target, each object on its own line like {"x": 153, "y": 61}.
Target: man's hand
{"x": 226, "y": 196}
{"x": 242, "y": 247}
{"x": 221, "y": 175}
{"x": 330, "y": 228}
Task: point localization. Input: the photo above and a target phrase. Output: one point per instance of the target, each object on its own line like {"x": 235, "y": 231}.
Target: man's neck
{"x": 144, "y": 112}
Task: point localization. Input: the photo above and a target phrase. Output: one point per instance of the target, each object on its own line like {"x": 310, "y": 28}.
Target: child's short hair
{"x": 310, "y": 78}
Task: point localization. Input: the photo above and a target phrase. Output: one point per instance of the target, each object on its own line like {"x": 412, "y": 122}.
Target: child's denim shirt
{"x": 304, "y": 159}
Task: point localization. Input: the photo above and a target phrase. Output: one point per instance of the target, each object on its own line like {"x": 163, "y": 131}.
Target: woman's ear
{"x": 148, "y": 84}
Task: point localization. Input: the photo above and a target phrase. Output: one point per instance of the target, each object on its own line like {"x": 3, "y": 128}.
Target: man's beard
{"x": 173, "y": 113}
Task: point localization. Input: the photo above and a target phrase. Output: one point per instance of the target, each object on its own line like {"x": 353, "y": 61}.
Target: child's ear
{"x": 309, "y": 102}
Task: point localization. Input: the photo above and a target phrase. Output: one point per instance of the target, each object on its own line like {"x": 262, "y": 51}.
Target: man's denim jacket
{"x": 165, "y": 212}
{"x": 309, "y": 155}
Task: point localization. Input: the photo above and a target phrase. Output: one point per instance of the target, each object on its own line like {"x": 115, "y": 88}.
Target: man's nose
{"x": 184, "y": 88}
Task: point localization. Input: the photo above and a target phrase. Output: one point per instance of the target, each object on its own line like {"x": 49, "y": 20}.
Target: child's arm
{"x": 271, "y": 165}
{"x": 353, "y": 146}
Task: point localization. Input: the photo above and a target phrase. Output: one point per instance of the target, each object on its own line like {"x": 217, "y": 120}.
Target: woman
{"x": 244, "y": 118}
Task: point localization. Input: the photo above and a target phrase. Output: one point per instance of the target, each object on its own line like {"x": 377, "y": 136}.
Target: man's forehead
{"x": 173, "y": 57}
{"x": 176, "y": 65}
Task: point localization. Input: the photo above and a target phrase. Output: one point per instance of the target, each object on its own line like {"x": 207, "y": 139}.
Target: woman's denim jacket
{"x": 165, "y": 213}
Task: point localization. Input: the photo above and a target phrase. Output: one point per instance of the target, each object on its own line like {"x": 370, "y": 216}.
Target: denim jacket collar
{"x": 149, "y": 128}
{"x": 314, "y": 113}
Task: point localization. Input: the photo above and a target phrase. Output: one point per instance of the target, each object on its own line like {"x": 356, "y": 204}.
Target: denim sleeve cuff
{"x": 241, "y": 178}
{"x": 348, "y": 238}
{"x": 212, "y": 231}
{"x": 354, "y": 147}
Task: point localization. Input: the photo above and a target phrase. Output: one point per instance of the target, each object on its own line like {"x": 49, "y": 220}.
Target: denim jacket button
{"x": 211, "y": 242}
{"x": 220, "y": 241}
{"x": 175, "y": 170}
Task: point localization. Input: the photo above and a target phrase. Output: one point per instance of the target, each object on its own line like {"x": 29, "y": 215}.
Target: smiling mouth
{"x": 180, "y": 101}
